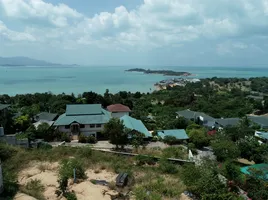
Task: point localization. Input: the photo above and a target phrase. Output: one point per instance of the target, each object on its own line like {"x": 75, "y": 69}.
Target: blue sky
{"x": 137, "y": 32}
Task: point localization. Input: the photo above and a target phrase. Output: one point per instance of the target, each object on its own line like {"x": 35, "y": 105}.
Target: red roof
{"x": 118, "y": 108}
{"x": 213, "y": 132}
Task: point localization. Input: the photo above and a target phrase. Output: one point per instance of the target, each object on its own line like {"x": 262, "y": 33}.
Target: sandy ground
{"x": 47, "y": 174}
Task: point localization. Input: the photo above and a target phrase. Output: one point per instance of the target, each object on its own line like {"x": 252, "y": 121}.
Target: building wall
{"x": 86, "y": 131}
{"x": 119, "y": 114}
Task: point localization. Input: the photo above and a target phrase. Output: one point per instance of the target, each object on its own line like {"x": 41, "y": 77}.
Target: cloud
{"x": 37, "y": 11}
{"x": 13, "y": 35}
{"x": 226, "y": 26}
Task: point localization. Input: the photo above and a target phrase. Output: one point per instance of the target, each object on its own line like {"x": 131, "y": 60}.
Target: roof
{"x": 135, "y": 124}
{"x": 118, "y": 108}
{"x": 188, "y": 114}
{"x": 179, "y": 134}
{"x": 101, "y": 118}
{"x": 46, "y": 116}
{"x": 83, "y": 109}
{"x": 228, "y": 121}
{"x": 261, "y": 167}
{"x": 263, "y": 135}
{"x": 3, "y": 106}
{"x": 261, "y": 120}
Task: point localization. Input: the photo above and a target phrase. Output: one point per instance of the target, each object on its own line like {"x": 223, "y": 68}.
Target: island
{"x": 164, "y": 72}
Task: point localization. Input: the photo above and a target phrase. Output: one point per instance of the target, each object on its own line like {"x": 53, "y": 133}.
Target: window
{"x": 98, "y": 125}
{"x": 67, "y": 127}
{"x": 92, "y": 125}
{"x": 82, "y": 125}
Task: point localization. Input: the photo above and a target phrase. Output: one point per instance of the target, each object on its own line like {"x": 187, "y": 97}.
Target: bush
{"x": 10, "y": 184}
{"x": 82, "y": 138}
{"x": 34, "y": 188}
{"x": 87, "y": 139}
{"x": 91, "y": 139}
{"x": 174, "y": 152}
{"x": 170, "y": 140}
{"x": 65, "y": 137}
{"x": 6, "y": 151}
{"x": 44, "y": 146}
{"x": 67, "y": 167}
{"x": 141, "y": 160}
{"x": 70, "y": 196}
{"x": 166, "y": 167}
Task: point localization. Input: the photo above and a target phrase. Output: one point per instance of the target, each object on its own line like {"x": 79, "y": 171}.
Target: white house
{"x": 88, "y": 119}
{"x": 118, "y": 110}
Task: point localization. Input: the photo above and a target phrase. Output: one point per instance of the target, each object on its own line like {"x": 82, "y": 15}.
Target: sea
{"x": 78, "y": 79}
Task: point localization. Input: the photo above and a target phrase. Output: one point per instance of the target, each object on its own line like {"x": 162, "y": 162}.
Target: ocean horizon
{"x": 78, "y": 79}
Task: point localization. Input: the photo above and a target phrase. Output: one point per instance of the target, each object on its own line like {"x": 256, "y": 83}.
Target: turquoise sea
{"x": 23, "y": 79}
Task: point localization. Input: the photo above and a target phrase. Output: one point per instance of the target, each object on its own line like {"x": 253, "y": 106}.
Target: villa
{"x": 179, "y": 134}
{"x": 88, "y": 119}
{"x": 118, "y": 110}
{"x": 135, "y": 125}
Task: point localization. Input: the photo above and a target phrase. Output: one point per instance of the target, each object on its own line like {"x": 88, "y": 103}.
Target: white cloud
{"x": 13, "y": 35}
{"x": 153, "y": 24}
{"x": 37, "y": 11}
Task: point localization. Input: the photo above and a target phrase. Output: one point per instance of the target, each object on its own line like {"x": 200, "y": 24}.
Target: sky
{"x": 137, "y": 32}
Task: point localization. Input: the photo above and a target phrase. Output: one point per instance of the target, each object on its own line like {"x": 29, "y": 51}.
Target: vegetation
{"x": 116, "y": 132}
{"x": 35, "y": 189}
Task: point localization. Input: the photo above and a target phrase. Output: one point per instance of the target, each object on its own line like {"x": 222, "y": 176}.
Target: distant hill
{"x": 24, "y": 61}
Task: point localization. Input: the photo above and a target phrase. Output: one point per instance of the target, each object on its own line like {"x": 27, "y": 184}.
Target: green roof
{"x": 100, "y": 118}
{"x": 83, "y": 109}
{"x": 179, "y": 134}
{"x": 3, "y": 106}
{"x": 263, "y": 135}
{"x": 135, "y": 124}
{"x": 260, "y": 167}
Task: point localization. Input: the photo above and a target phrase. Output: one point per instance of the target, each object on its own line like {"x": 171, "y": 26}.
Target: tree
{"x": 199, "y": 137}
{"x": 225, "y": 149}
{"x": 180, "y": 123}
{"x": 31, "y": 134}
{"x": 136, "y": 138}
{"x": 116, "y": 132}
{"x": 22, "y": 123}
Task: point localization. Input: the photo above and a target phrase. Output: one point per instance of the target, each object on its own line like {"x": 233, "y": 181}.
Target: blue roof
{"x": 101, "y": 118}
{"x": 83, "y": 109}
{"x": 261, "y": 167}
{"x": 263, "y": 135}
{"x": 135, "y": 124}
{"x": 180, "y": 134}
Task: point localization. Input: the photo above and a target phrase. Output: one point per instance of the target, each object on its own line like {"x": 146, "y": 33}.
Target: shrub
{"x": 82, "y": 138}
{"x": 34, "y": 188}
{"x": 10, "y": 183}
{"x": 70, "y": 196}
{"x": 65, "y": 137}
{"x": 85, "y": 152}
{"x": 6, "y": 151}
{"x": 166, "y": 167}
{"x": 173, "y": 152}
{"x": 170, "y": 140}
{"x": 141, "y": 160}
{"x": 67, "y": 167}
{"x": 91, "y": 139}
{"x": 44, "y": 146}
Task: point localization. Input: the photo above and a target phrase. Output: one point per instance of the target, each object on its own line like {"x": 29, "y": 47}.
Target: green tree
{"x": 225, "y": 149}
{"x": 116, "y": 132}
{"x": 22, "y": 123}
{"x": 199, "y": 137}
{"x": 136, "y": 138}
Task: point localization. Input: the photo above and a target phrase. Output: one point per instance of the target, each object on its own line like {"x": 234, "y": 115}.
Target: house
{"x": 45, "y": 117}
{"x": 198, "y": 117}
{"x": 262, "y": 135}
{"x": 3, "y": 113}
{"x": 118, "y": 110}
{"x": 262, "y": 121}
{"x": 179, "y": 134}
{"x": 88, "y": 119}
{"x": 257, "y": 167}
{"x": 135, "y": 125}
{"x": 227, "y": 122}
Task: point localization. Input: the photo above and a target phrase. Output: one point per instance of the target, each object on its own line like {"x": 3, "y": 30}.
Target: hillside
{"x": 23, "y": 61}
